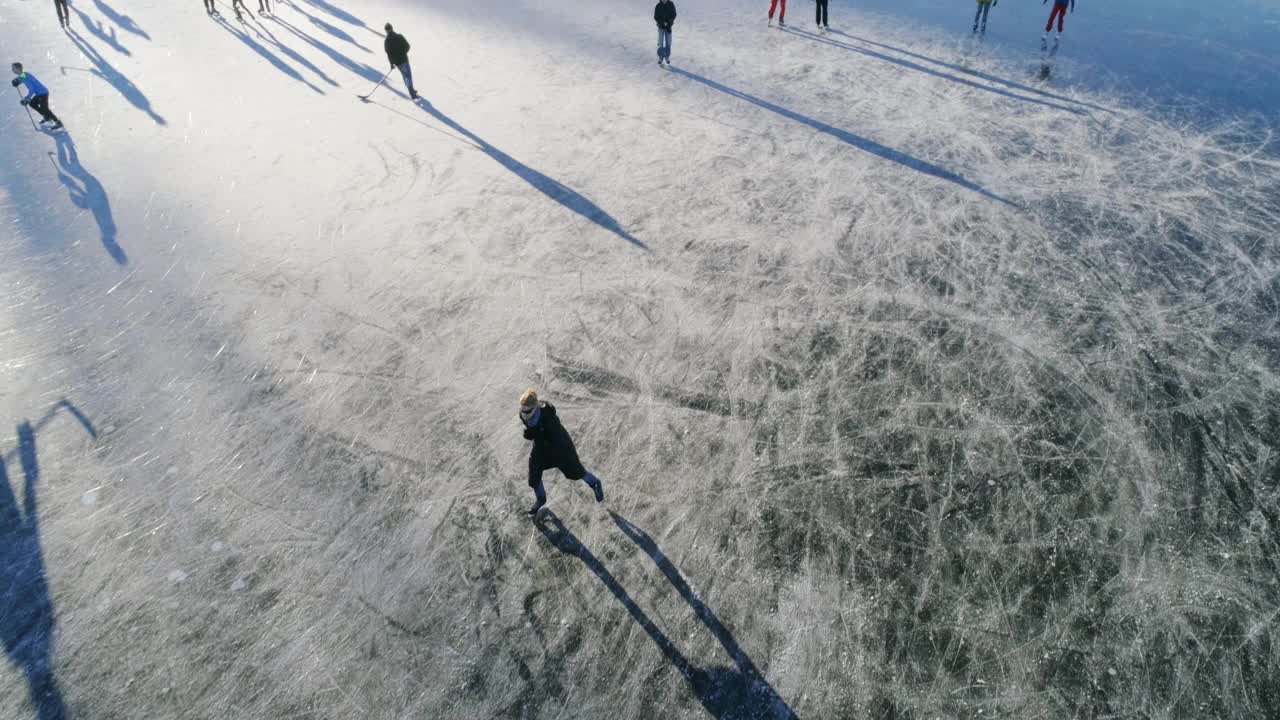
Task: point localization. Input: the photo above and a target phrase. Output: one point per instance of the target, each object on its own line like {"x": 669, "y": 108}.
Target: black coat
{"x": 552, "y": 446}
{"x": 397, "y": 49}
{"x": 664, "y": 14}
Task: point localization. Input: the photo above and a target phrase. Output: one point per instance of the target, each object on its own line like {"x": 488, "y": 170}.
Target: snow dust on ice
{"x": 919, "y": 388}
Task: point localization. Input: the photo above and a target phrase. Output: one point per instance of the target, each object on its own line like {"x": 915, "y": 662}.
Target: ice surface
{"x": 919, "y": 388}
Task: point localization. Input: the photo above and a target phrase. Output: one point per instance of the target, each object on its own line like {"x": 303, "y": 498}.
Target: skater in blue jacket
{"x": 552, "y": 448}
{"x": 37, "y": 95}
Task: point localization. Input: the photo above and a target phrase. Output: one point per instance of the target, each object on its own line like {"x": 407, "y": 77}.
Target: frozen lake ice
{"x": 920, "y": 387}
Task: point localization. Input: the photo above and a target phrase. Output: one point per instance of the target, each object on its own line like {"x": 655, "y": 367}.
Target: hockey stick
{"x": 33, "y": 120}
{"x": 365, "y": 98}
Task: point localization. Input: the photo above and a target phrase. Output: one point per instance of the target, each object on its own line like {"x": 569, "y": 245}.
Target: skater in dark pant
{"x": 37, "y": 95}
{"x": 984, "y": 8}
{"x": 821, "y": 9}
{"x": 210, "y": 8}
{"x": 664, "y": 13}
{"x": 64, "y": 17}
{"x": 397, "y": 48}
{"x": 264, "y": 7}
{"x": 238, "y": 5}
{"x": 552, "y": 448}
{"x": 782, "y": 17}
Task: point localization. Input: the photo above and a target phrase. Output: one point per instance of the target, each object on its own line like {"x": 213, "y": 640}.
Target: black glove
{"x": 16, "y": 82}
{"x": 23, "y": 102}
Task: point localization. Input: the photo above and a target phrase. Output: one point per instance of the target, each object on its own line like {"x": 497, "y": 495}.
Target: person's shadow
{"x": 853, "y": 140}
{"x": 27, "y": 621}
{"x": 554, "y": 189}
{"x": 87, "y": 193}
{"x": 123, "y": 85}
{"x": 728, "y": 693}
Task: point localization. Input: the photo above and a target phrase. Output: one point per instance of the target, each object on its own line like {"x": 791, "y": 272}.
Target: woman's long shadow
{"x": 864, "y": 144}
{"x": 27, "y": 620}
{"x": 341, "y": 14}
{"x": 267, "y": 55}
{"x": 122, "y": 84}
{"x": 87, "y": 193}
{"x": 727, "y": 693}
{"x": 99, "y": 31}
{"x": 934, "y": 73}
{"x": 124, "y": 22}
{"x": 566, "y": 196}
{"x": 976, "y": 73}
{"x": 358, "y": 68}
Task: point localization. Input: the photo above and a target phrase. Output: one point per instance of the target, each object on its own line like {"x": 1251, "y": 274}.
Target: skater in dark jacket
{"x": 664, "y": 13}
{"x": 37, "y": 95}
{"x": 552, "y": 448}
{"x": 397, "y": 48}
{"x": 820, "y": 7}
{"x": 64, "y": 17}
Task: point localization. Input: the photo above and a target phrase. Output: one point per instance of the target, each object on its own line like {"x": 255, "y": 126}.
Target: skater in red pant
{"x": 782, "y": 16}
{"x": 1059, "y": 13}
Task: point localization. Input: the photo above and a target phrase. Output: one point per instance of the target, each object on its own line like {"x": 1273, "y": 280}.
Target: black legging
{"x": 264, "y": 6}
{"x": 822, "y": 12}
{"x": 64, "y": 17}
{"x": 41, "y": 104}
{"x": 209, "y": 7}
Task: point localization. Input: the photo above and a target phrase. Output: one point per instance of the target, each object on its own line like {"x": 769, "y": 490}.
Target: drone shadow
{"x": 27, "y": 620}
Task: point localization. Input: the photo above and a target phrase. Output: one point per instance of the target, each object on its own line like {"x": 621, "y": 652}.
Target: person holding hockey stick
{"x": 397, "y": 48}
{"x": 64, "y": 16}
{"x": 664, "y": 14}
{"x": 552, "y": 448}
{"x": 782, "y": 17}
{"x": 37, "y": 95}
{"x": 984, "y": 8}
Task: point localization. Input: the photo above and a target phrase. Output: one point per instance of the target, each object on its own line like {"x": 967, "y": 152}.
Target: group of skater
{"x": 1059, "y": 13}
{"x": 211, "y": 7}
{"x": 553, "y": 447}
{"x": 664, "y": 14}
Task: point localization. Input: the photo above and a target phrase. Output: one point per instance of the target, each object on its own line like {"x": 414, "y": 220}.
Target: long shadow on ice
{"x": 122, "y": 84}
{"x": 727, "y": 693}
{"x": 267, "y": 55}
{"x": 265, "y": 35}
{"x": 882, "y": 151}
{"x": 330, "y": 28}
{"x": 932, "y": 72}
{"x": 358, "y": 68}
{"x": 87, "y": 193}
{"x": 27, "y": 622}
{"x": 98, "y": 30}
{"x": 566, "y": 196}
{"x": 341, "y": 14}
{"x": 961, "y": 69}
{"x": 124, "y": 22}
